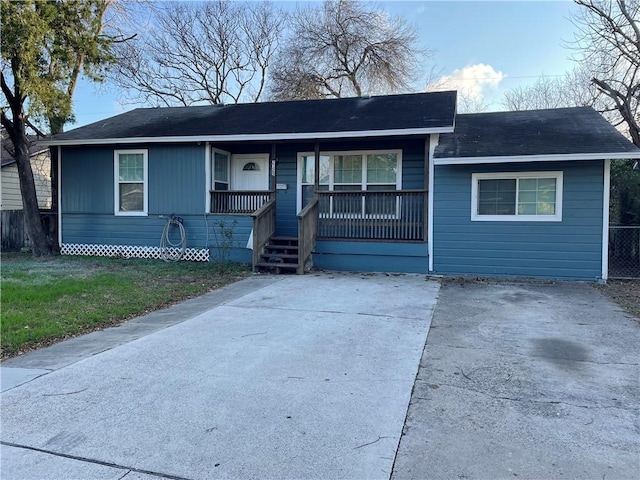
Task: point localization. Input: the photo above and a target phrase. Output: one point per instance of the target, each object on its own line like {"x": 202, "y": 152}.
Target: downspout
{"x": 434, "y": 138}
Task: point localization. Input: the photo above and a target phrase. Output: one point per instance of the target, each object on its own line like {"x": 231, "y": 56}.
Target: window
{"x": 220, "y": 170}
{"x": 530, "y": 196}
{"x": 355, "y": 171}
{"x": 307, "y": 176}
{"x": 130, "y": 182}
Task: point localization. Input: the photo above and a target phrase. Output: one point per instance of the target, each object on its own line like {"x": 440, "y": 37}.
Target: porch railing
{"x": 390, "y": 215}
{"x": 241, "y": 202}
{"x": 307, "y": 231}
{"x": 264, "y": 226}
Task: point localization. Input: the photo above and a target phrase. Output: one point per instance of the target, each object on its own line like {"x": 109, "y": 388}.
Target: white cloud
{"x": 471, "y": 81}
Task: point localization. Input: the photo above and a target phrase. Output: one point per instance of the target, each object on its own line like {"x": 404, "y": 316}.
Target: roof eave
{"x": 252, "y": 137}
{"x": 536, "y": 158}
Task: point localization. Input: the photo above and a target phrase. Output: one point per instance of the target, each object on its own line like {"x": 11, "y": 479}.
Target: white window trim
{"x": 331, "y": 154}
{"x": 145, "y": 183}
{"x": 475, "y": 217}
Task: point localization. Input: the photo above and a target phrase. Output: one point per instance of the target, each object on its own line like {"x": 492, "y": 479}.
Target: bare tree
{"x": 570, "y": 90}
{"x": 345, "y": 48}
{"x": 608, "y": 42}
{"x": 212, "y": 52}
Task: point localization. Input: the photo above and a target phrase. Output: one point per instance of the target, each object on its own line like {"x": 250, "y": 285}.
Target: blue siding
{"x": 371, "y": 256}
{"x": 177, "y": 182}
{"x": 177, "y": 185}
{"x": 202, "y": 231}
{"x": 286, "y": 213}
{"x": 86, "y": 180}
{"x": 570, "y": 249}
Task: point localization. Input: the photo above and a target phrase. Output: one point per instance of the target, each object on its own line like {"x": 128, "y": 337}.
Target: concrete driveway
{"x": 525, "y": 381}
{"x": 274, "y": 377}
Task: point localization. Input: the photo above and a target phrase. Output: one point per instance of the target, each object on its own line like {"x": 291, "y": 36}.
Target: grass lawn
{"x": 44, "y": 301}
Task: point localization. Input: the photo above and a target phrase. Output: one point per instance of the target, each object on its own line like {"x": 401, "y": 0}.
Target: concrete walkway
{"x": 274, "y": 377}
{"x": 525, "y": 381}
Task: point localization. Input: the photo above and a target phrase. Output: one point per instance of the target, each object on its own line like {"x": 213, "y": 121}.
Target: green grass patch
{"x": 44, "y": 301}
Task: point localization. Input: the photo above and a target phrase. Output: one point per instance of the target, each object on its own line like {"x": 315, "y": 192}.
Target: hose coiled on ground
{"x": 167, "y": 248}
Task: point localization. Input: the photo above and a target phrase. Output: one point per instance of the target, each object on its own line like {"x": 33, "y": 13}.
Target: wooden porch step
{"x": 285, "y": 239}
{"x": 290, "y": 241}
{"x": 279, "y": 255}
{"x": 277, "y": 265}
{"x": 280, "y": 247}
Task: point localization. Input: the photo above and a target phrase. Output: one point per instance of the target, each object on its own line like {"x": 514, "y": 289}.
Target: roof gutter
{"x": 537, "y": 158}
{"x": 251, "y": 137}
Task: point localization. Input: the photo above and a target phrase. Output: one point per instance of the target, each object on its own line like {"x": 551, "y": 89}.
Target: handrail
{"x": 307, "y": 231}
{"x": 264, "y": 226}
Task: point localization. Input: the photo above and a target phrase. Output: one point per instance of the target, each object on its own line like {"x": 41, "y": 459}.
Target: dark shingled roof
{"x": 393, "y": 112}
{"x": 562, "y": 131}
{"x": 7, "y": 153}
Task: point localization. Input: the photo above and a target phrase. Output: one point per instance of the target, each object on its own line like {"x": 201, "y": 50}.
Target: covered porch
{"x": 366, "y": 215}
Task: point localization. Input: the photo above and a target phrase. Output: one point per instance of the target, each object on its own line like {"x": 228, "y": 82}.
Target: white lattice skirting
{"x": 132, "y": 251}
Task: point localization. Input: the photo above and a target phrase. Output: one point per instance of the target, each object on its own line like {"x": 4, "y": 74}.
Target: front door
{"x": 250, "y": 172}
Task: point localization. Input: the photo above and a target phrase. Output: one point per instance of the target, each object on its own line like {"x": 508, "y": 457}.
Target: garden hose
{"x": 172, "y": 252}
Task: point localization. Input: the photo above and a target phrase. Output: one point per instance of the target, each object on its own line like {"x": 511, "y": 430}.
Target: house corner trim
{"x": 605, "y": 219}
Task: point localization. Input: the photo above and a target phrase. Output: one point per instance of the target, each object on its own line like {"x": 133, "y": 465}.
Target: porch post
{"x": 316, "y": 170}
{"x": 272, "y": 168}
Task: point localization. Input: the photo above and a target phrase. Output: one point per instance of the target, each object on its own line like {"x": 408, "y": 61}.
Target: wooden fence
{"x": 14, "y": 233}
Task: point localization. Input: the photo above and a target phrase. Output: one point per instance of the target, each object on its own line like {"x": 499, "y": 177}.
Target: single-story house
{"x": 11, "y": 197}
{"x": 397, "y": 183}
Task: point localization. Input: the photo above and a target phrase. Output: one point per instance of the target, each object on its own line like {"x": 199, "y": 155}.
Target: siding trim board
{"x": 59, "y": 195}
{"x": 536, "y": 158}
{"x": 605, "y": 220}
{"x": 208, "y": 175}
{"x": 433, "y": 143}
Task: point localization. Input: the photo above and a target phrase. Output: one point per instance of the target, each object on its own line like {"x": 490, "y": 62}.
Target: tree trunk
{"x": 39, "y": 243}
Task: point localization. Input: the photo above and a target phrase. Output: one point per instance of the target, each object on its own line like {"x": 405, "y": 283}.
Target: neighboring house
{"x": 11, "y": 198}
{"x": 392, "y": 183}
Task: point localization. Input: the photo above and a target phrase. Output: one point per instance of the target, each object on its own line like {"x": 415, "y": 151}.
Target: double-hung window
{"x": 354, "y": 171}
{"x": 527, "y": 196}
{"x": 130, "y": 173}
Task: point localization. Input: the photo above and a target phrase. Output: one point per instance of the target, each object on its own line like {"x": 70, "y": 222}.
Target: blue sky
{"x": 480, "y": 47}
